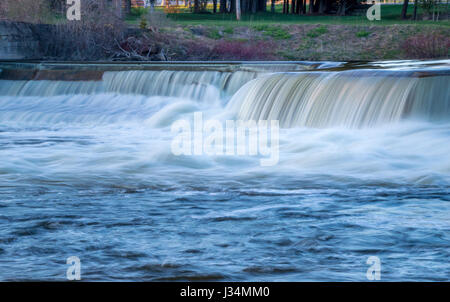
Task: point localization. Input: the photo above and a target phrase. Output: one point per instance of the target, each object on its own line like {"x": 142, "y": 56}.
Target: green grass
{"x": 229, "y": 30}
{"x": 318, "y": 31}
{"x": 275, "y": 32}
{"x": 390, "y": 14}
{"x": 214, "y": 34}
{"x": 362, "y": 34}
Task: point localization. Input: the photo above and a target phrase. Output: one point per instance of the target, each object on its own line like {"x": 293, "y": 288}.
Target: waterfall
{"x": 188, "y": 84}
{"x": 354, "y": 99}
{"x": 49, "y": 88}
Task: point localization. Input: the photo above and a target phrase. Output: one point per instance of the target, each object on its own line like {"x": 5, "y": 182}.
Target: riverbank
{"x": 275, "y": 36}
{"x": 335, "y": 42}
{"x": 170, "y": 41}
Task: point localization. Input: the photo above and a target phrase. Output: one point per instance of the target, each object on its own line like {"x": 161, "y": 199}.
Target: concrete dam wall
{"x": 18, "y": 41}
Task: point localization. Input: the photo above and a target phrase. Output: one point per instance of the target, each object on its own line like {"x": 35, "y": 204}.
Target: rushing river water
{"x": 87, "y": 170}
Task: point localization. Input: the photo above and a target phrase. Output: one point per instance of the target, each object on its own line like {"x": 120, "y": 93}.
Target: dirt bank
{"x": 306, "y": 42}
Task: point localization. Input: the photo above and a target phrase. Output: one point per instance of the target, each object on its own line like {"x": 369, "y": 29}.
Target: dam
{"x": 87, "y": 170}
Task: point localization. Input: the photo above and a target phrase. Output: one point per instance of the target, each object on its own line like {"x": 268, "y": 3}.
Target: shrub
{"x": 239, "y": 50}
{"x": 143, "y": 23}
{"x": 424, "y": 46}
{"x": 196, "y": 50}
{"x": 362, "y": 34}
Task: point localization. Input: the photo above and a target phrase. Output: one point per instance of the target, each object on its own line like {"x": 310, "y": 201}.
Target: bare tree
{"x": 415, "y": 10}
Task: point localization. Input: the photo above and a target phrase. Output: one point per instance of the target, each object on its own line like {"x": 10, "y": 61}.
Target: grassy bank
{"x": 337, "y": 42}
{"x": 275, "y": 36}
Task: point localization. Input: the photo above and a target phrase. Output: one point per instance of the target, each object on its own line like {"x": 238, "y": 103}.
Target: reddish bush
{"x": 195, "y": 50}
{"x": 243, "y": 50}
{"x": 425, "y": 46}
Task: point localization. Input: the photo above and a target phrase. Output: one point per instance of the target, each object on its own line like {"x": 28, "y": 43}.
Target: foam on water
{"x": 128, "y": 135}
{"x": 364, "y": 168}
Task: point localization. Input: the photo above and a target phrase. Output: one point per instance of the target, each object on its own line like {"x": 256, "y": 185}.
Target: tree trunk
{"x": 272, "y": 6}
{"x": 263, "y": 5}
{"x": 292, "y": 6}
{"x": 342, "y": 8}
{"x": 238, "y": 10}
{"x": 311, "y": 6}
{"x": 404, "y": 8}
{"x": 254, "y": 6}
{"x": 322, "y": 6}
{"x": 214, "y": 6}
{"x": 196, "y": 6}
{"x": 223, "y": 6}
{"x": 299, "y": 7}
{"x": 415, "y": 10}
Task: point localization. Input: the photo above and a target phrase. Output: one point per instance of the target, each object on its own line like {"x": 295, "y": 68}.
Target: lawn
{"x": 390, "y": 14}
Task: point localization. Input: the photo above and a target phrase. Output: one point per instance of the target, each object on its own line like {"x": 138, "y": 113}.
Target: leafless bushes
{"x": 430, "y": 45}
{"x": 94, "y": 37}
{"x": 142, "y": 48}
{"x": 243, "y": 50}
{"x": 33, "y": 11}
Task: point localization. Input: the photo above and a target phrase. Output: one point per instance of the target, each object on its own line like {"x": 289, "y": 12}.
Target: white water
{"x": 351, "y": 99}
{"x": 127, "y": 136}
{"x": 192, "y": 85}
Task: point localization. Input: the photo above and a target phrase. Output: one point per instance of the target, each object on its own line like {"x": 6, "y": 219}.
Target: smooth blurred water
{"x": 93, "y": 176}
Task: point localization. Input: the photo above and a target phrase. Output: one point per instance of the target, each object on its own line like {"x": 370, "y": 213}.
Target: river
{"x": 87, "y": 170}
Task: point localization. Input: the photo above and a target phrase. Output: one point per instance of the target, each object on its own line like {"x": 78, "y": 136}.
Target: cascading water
{"x": 364, "y": 167}
{"x": 350, "y": 99}
{"x": 193, "y": 85}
